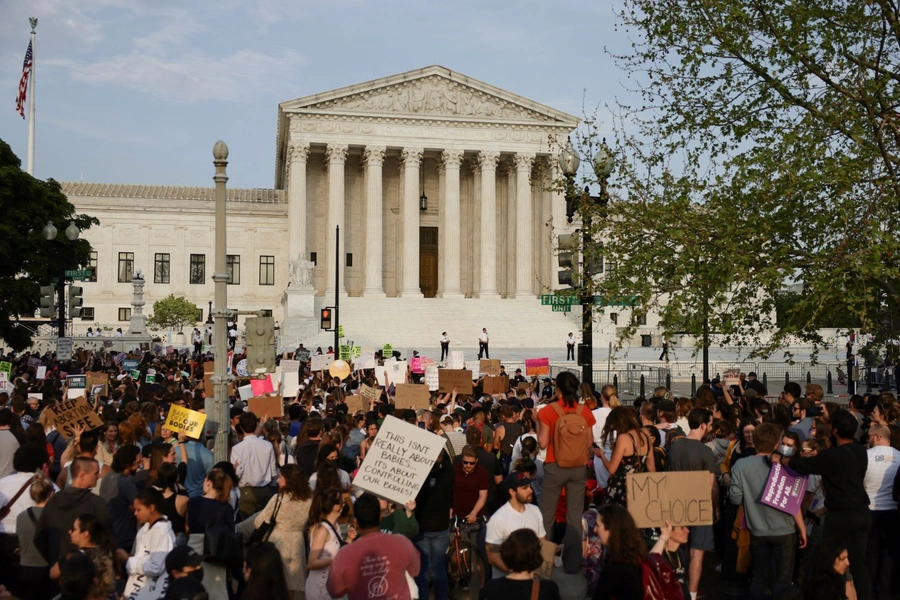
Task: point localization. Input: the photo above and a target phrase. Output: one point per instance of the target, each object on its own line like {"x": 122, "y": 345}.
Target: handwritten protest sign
{"x": 397, "y": 465}
{"x": 537, "y": 366}
{"x": 455, "y": 378}
{"x": 475, "y": 367}
{"x": 273, "y": 406}
{"x": 784, "y": 489}
{"x": 290, "y": 366}
{"x": 495, "y": 384}
{"x": 41, "y": 372}
{"x": 355, "y": 403}
{"x": 412, "y": 395}
{"x": 387, "y": 351}
{"x": 680, "y": 497}
{"x": 732, "y": 376}
{"x": 64, "y": 349}
{"x": 369, "y": 393}
{"x": 76, "y": 412}
{"x": 415, "y": 365}
{"x": 209, "y": 366}
{"x": 184, "y": 420}
{"x": 456, "y": 360}
{"x": 432, "y": 378}
{"x": 548, "y": 555}
{"x": 396, "y": 371}
{"x": 303, "y": 355}
{"x": 490, "y": 366}
{"x": 262, "y": 386}
{"x": 321, "y": 362}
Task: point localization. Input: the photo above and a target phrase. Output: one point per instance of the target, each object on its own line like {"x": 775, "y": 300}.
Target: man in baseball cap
{"x": 517, "y": 513}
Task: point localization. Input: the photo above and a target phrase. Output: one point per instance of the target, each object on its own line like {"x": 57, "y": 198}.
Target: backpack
{"x": 672, "y": 435}
{"x": 571, "y": 438}
{"x": 659, "y": 580}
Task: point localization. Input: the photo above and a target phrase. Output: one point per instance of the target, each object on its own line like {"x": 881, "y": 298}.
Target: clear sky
{"x": 137, "y": 91}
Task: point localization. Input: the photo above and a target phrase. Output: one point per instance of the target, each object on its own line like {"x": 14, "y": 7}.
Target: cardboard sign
{"x": 456, "y": 360}
{"x": 209, "y": 366}
{"x": 398, "y": 463}
{"x": 680, "y": 497}
{"x": 495, "y": 384}
{"x": 184, "y": 420}
{"x": 784, "y": 489}
{"x": 412, "y": 395}
{"x": 537, "y": 366}
{"x": 64, "y": 349}
{"x": 262, "y": 386}
{"x": 523, "y": 385}
{"x": 209, "y": 389}
{"x": 548, "y": 554}
{"x": 455, "y": 378}
{"x": 490, "y": 366}
{"x": 41, "y": 372}
{"x": 321, "y": 362}
{"x": 76, "y": 412}
{"x": 432, "y": 378}
{"x": 355, "y": 404}
{"x": 98, "y": 379}
{"x": 369, "y": 394}
{"x": 290, "y": 366}
{"x": 273, "y": 406}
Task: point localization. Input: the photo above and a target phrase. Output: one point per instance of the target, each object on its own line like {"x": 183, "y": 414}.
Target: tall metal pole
{"x": 30, "y": 159}
{"x": 337, "y": 290}
{"x": 219, "y": 410}
{"x": 587, "y": 310}
{"x": 706, "y": 345}
{"x": 61, "y": 294}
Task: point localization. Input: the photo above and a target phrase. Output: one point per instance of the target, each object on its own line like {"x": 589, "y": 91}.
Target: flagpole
{"x": 30, "y": 162}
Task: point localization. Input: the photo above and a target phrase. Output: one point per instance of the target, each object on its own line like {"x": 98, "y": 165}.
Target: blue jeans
{"x": 432, "y": 547}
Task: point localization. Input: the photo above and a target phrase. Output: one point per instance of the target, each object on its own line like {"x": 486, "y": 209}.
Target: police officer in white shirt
{"x": 483, "y": 344}
{"x": 570, "y": 347}
{"x": 445, "y": 346}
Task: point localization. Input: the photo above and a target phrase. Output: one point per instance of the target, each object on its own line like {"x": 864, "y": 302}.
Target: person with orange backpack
{"x": 565, "y": 431}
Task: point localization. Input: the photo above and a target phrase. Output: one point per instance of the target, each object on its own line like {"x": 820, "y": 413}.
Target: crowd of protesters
{"x": 134, "y": 510}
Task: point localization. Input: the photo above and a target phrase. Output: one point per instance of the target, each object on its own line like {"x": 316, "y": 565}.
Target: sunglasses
{"x": 469, "y": 462}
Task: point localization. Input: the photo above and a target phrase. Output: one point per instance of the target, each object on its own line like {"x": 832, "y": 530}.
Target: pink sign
{"x": 784, "y": 489}
{"x": 261, "y": 386}
{"x": 537, "y": 366}
{"x": 415, "y": 365}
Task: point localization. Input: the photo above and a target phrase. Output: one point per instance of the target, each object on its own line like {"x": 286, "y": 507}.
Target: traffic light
{"x": 75, "y": 301}
{"x": 326, "y": 319}
{"x": 566, "y": 255}
{"x": 47, "y": 301}
{"x": 260, "y": 342}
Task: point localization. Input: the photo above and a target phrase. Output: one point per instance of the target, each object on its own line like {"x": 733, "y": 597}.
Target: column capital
{"x": 374, "y": 155}
{"x": 488, "y": 159}
{"x": 524, "y": 161}
{"x": 298, "y": 151}
{"x": 452, "y": 158}
{"x": 336, "y": 153}
{"x": 411, "y": 156}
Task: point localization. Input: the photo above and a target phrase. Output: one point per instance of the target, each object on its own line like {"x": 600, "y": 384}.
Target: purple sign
{"x": 784, "y": 489}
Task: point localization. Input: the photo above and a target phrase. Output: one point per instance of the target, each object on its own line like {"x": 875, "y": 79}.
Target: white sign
{"x": 379, "y": 375}
{"x": 398, "y": 463}
{"x": 290, "y": 366}
{"x": 457, "y": 360}
{"x": 432, "y": 379}
{"x": 363, "y": 363}
{"x": 396, "y": 370}
{"x": 241, "y": 368}
{"x": 475, "y": 367}
{"x": 64, "y": 349}
{"x": 41, "y": 372}
{"x": 321, "y": 362}
{"x": 245, "y": 392}
{"x": 290, "y": 383}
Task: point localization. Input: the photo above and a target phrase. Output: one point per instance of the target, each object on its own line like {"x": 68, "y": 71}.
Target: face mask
{"x": 197, "y": 574}
{"x": 787, "y": 451}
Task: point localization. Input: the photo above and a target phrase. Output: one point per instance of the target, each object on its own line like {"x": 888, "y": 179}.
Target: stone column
{"x": 450, "y": 250}
{"x": 336, "y": 157}
{"x": 509, "y": 250}
{"x": 488, "y": 161}
{"x": 524, "y": 242}
{"x": 298, "y": 153}
{"x": 374, "y": 160}
{"x": 410, "y": 159}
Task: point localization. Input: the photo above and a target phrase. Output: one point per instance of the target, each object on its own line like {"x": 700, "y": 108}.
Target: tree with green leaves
{"x": 29, "y": 260}
{"x": 766, "y": 151}
{"x": 173, "y": 313}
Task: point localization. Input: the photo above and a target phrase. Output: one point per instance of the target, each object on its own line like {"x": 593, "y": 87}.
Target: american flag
{"x": 23, "y": 83}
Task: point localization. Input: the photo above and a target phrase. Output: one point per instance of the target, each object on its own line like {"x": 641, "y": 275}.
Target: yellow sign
{"x": 185, "y": 420}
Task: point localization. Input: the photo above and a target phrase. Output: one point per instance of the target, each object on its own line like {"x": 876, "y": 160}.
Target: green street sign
{"x": 79, "y": 274}
{"x": 559, "y": 299}
{"x": 561, "y": 308}
{"x": 601, "y": 301}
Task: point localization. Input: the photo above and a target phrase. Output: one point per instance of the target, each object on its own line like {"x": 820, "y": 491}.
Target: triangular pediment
{"x": 433, "y": 93}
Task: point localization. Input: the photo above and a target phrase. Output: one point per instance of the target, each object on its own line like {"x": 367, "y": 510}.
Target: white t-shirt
{"x": 483, "y": 337}
{"x": 883, "y": 464}
{"x": 506, "y": 520}
{"x": 600, "y": 413}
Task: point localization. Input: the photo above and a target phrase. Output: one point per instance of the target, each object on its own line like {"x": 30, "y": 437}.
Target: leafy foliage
{"x": 766, "y": 152}
{"x": 173, "y": 313}
{"x": 29, "y": 260}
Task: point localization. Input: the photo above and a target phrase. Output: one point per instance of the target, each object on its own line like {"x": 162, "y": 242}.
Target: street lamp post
{"x": 220, "y": 277}
{"x": 569, "y": 161}
{"x": 72, "y": 233}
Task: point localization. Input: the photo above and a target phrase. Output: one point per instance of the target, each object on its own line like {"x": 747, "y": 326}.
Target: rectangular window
{"x": 349, "y": 260}
{"x": 124, "y": 314}
{"x": 199, "y": 315}
{"x": 642, "y": 319}
{"x": 614, "y": 317}
{"x": 266, "y": 270}
{"x": 161, "y": 264}
{"x": 92, "y": 265}
{"x": 313, "y": 258}
{"x": 233, "y": 268}
{"x": 198, "y": 268}
{"x": 126, "y": 267}
{"x": 87, "y": 313}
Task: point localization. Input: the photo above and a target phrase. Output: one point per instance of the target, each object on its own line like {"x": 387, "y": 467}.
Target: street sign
{"x": 559, "y": 299}
{"x": 79, "y": 274}
{"x": 601, "y": 301}
{"x": 561, "y": 308}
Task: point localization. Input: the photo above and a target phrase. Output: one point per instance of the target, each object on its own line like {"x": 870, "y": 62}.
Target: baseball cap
{"x": 517, "y": 480}
{"x": 547, "y": 380}
{"x": 181, "y": 557}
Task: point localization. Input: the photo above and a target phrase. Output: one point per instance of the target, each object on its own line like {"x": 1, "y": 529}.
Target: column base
{"x": 523, "y": 294}
{"x": 488, "y": 295}
{"x": 374, "y": 293}
{"x": 450, "y": 294}
{"x": 413, "y": 293}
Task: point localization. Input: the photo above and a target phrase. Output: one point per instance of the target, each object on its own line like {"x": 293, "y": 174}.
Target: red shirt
{"x": 548, "y": 417}
{"x": 373, "y": 567}
{"x": 466, "y": 488}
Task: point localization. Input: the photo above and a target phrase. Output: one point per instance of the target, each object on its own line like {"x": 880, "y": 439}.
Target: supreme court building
{"x": 440, "y": 185}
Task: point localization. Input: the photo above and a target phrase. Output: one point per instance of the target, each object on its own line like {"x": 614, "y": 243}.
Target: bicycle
{"x": 466, "y": 570}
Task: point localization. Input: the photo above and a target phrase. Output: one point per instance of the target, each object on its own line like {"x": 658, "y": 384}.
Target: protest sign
{"x": 432, "y": 378}
{"x": 241, "y": 368}
{"x": 456, "y": 360}
{"x": 120, "y": 358}
{"x": 475, "y": 367}
{"x": 245, "y": 392}
{"x": 262, "y": 406}
{"x": 64, "y": 349}
{"x": 398, "y": 463}
{"x": 495, "y": 384}
{"x": 427, "y": 362}
{"x": 290, "y": 366}
{"x": 41, "y": 372}
{"x": 455, "y": 378}
{"x": 412, "y": 395}
{"x": 415, "y": 365}
{"x": 158, "y": 348}
{"x": 537, "y": 366}
{"x": 262, "y": 386}
{"x": 680, "y": 497}
{"x": 489, "y": 366}
{"x": 355, "y": 404}
{"x": 303, "y": 355}
{"x": 34, "y": 362}
{"x": 169, "y": 349}
{"x": 150, "y": 379}
{"x": 732, "y": 376}
{"x": 130, "y": 364}
{"x": 290, "y": 383}
{"x": 344, "y": 352}
{"x": 184, "y": 420}
{"x": 367, "y": 353}
{"x": 548, "y": 555}
{"x": 363, "y": 363}
{"x": 135, "y": 374}
{"x": 784, "y": 489}
{"x": 108, "y": 344}
{"x": 369, "y": 394}
{"x": 209, "y": 389}
{"x": 321, "y": 362}
{"x": 77, "y": 384}
{"x": 523, "y": 385}
{"x": 387, "y": 351}
{"x": 396, "y": 371}
{"x": 379, "y": 374}
{"x": 357, "y": 351}
{"x": 72, "y": 413}
{"x": 209, "y": 366}
{"x": 98, "y": 379}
